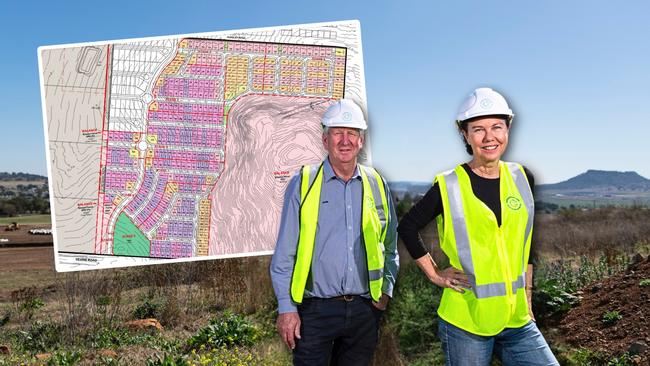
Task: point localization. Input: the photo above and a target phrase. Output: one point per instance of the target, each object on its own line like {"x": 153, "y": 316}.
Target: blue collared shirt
{"x": 339, "y": 265}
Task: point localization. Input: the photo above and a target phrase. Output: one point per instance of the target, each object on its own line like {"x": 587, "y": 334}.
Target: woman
{"x": 484, "y": 210}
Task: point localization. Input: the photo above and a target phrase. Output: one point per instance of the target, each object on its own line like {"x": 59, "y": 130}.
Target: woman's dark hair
{"x": 463, "y": 126}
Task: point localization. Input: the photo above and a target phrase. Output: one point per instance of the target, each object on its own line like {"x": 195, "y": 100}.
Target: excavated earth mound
{"x": 594, "y": 324}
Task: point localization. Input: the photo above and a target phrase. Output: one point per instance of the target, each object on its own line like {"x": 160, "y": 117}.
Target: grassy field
{"x": 29, "y": 219}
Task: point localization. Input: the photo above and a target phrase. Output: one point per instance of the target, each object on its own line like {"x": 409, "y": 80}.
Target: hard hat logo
{"x": 486, "y": 104}
{"x": 347, "y": 116}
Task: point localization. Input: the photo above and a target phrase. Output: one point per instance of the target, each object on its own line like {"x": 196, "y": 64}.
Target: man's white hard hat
{"x": 344, "y": 113}
{"x": 483, "y": 102}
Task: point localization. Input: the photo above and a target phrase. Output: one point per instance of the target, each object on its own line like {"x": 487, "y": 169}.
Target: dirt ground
{"x": 23, "y": 236}
{"x": 25, "y": 267}
{"x": 584, "y": 326}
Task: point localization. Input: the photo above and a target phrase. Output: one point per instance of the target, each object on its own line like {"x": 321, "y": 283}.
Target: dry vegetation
{"x": 77, "y": 316}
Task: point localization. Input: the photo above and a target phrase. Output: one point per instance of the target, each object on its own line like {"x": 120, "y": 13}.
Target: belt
{"x": 347, "y": 298}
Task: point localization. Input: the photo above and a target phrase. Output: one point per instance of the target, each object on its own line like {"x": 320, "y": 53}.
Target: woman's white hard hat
{"x": 344, "y": 113}
{"x": 484, "y": 102}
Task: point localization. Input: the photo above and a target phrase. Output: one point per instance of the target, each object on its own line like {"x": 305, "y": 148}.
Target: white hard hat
{"x": 344, "y": 113}
{"x": 483, "y": 102}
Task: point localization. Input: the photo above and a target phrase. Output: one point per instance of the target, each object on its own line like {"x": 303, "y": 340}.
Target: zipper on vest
{"x": 505, "y": 271}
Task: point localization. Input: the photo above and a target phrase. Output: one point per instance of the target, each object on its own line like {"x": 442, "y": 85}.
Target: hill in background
{"x": 602, "y": 180}
{"x": 21, "y": 177}
{"x": 597, "y": 188}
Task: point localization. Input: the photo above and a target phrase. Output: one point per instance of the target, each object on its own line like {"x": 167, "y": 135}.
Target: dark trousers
{"x": 337, "y": 332}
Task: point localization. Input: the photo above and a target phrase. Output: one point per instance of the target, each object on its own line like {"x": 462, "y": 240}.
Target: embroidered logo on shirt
{"x": 513, "y": 203}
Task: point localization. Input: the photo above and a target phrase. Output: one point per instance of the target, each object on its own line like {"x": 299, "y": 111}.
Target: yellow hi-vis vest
{"x": 493, "y": 258}
{"x": 374, "y": 220}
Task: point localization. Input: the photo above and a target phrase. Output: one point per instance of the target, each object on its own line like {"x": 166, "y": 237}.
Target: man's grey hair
{"x": 326, "y": 130}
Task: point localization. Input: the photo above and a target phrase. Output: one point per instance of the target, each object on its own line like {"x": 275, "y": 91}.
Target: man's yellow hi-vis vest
{"x": 374, "y": 214}
{"x": 494, "y": 258}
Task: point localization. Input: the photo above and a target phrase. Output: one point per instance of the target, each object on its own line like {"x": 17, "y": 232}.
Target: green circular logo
{"x": 513, "y": 202}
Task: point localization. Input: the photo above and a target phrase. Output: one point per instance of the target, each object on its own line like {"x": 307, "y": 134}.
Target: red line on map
{"x": 100, "y": 197}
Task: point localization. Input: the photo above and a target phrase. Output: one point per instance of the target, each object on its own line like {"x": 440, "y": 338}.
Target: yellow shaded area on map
{"x": 171, "y": 187}
{"x": 236, "y": 76}
{"x": 174, "y": 65}
{"x": 203, "y": 227}
{"x": 192, "y": 59}
{"x": 117, "y": 200}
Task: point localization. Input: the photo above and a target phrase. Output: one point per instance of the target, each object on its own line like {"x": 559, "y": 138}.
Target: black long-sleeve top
{"x": 430, "y": 206}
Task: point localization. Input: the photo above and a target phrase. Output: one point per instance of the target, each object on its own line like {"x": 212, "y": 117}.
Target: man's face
{"x": 342, "y": 144}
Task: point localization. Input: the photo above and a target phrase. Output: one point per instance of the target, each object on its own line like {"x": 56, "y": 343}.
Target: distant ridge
{"x": 20, "y": 176}
{"x": 602, "y": 179}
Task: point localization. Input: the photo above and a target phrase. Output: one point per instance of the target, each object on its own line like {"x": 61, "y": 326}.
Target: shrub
{"x": 64, "y": 358}
{"x": 586, "y": 357}
{"x": 228, "y": 330}
{"x": 168, "y": 360}
{"x": 40, "y": 337}
{"x": 549, "y": 299}
{"x": 26, "y": 301}
{"x": 107, "y": 337}
{"x": 412, "y": 313}
{"x": 225, "y": 356}
{"x": 622, "y": 360}
{"x": 149, "y": 308}
{"x": 644, "y": 282}
{"x": 611, "y": 317}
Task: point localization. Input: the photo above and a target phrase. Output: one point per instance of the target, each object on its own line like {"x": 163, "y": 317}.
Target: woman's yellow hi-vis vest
{"x": 374, "y": 214}
{"x": 494, "y": 258}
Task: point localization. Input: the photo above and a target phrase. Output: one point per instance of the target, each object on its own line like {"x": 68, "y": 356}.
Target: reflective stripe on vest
{"x": 494, "y": 301}
{"x": 374, "y": 211}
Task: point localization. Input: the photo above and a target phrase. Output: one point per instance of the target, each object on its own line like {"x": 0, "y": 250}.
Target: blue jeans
{"x": 513, "y": 346}
{"x": 336, "y": 332}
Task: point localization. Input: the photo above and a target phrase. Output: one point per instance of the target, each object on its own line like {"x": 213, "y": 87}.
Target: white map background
{"x": 268, "y": 138}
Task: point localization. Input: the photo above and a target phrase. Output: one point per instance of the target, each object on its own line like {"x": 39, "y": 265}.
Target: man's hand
{"x": 288, "y": 325}
{"x": 382, "y": 303}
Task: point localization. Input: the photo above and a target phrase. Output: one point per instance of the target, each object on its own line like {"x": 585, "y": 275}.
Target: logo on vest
{"x": 513, "y": 203}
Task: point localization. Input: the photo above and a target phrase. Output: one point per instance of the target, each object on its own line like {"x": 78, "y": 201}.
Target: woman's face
{"x": 488, "y": 137}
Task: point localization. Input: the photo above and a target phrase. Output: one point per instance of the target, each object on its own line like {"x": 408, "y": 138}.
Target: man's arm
{"x": 391, "y": 256}
{"x": 283, "y": 261}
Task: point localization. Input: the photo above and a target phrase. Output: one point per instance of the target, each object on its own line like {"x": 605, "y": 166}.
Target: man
{"x": 336, "y": 260}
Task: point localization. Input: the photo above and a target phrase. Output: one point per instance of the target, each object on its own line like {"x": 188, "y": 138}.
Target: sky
{"x": 576, "y": 73}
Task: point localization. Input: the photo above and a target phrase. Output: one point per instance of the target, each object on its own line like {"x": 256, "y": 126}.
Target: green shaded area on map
{"x": 129, "y": 240}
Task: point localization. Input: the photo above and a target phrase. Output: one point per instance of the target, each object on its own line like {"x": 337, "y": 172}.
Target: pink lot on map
{"x": 268, "y": 139}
